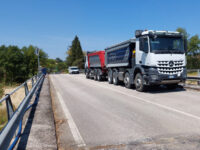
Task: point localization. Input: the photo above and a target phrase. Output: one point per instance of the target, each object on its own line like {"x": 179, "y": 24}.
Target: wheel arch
{"x": 138, "y": 69}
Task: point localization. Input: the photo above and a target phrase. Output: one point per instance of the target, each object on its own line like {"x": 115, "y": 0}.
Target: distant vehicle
{"x": 152, "y": 58}
{"x": 73, "y": 70}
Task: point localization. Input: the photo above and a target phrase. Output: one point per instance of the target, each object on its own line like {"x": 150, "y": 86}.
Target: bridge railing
{"x": 15, "y": 116}
{"x": 194, "y": 75}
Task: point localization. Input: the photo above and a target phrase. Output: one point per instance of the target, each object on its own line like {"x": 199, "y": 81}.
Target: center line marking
{"x": 74, "y": 130}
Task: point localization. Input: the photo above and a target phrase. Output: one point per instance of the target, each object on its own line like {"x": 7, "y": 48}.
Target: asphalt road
{"x": 102, "y": 115}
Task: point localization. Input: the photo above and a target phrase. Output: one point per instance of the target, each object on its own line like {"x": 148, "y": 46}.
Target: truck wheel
{"x": 110, "y": 81}
{"x": 127, "y": 80}
{"x": 98, "y": 75}
{"x": 172, "y": 86}
{"x": 139, "y": 82}
{"x": 95, "y": 74}
{"x": 87, "y": 74}
{"x": 115, "y": 78}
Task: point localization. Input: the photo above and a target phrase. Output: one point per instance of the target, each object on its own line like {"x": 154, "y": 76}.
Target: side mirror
{"x": 185, "y": 45}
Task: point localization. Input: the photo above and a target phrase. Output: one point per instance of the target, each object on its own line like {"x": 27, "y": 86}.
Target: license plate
{"x": 171, "y": 77}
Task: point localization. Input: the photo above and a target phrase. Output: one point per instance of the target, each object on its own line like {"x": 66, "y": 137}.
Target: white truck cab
{"x": 162, "y": 55}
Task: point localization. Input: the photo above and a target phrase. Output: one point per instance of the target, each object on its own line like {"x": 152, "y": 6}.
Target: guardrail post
{"x": 26, "y": 89}
{"x": 9, "y": 107}
{"x": 32, "y": 81}
{"x": 36, "y": 78}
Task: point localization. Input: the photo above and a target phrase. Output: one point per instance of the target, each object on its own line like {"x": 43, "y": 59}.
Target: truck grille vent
{"x": 170, "y": 67}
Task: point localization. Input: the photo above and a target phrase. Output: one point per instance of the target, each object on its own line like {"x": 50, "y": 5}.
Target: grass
{"x": 16, "y": 98}
{"x": 3, "y": 117}
{"x": 192, "y": 73}
{"x": 191, "y": 82}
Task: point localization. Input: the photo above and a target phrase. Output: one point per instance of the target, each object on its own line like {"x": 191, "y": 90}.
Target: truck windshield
{"x": 167, "y": 45}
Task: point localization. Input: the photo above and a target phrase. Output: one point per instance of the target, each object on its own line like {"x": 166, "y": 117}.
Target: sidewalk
{"x": 39, "y": 131}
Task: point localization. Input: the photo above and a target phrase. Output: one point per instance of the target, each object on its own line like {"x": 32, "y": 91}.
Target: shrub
{"x": 193, "y": 62}
{"x": 1, "y": 90}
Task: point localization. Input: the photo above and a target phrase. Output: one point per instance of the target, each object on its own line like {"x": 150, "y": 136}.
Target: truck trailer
{"x": 95, "y": 65}
{"x": 151, "y": 58}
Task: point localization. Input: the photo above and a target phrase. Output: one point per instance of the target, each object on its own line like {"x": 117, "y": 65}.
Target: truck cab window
{"x": 144, "y": 44}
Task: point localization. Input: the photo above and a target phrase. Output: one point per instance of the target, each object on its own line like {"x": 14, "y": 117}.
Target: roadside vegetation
{"x": 1, "y": 90}
{"x": 193, "y": 53}
{"x": 193, "y": 73}
{"x": 19, "y": 64}
{"x": 75, "y": 55}
{"x": 3, "y": 116}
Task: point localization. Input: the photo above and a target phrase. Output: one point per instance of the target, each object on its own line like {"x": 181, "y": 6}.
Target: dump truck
{"x": 151, "y": 58}
{"x": 95, "y": 65}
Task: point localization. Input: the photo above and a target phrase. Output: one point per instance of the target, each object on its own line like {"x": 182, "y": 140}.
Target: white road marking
{"x": 74, "y": 130}
{"x": 150, "y": 102}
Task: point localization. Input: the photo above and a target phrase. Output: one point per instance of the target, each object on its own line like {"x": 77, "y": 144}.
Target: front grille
{"x": 170, "y": 67}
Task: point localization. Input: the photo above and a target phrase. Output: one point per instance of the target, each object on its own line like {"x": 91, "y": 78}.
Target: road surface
{"x": 102, "y": 115}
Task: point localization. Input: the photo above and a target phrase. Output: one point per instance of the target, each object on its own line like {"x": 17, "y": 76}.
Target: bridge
{"x": 62, "y": 111}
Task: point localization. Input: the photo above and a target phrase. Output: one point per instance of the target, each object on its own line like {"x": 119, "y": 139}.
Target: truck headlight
{"x": 154, "y": 77}
{"x": 153, "y": 70}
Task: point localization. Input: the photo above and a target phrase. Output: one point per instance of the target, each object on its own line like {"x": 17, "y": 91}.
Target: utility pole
{"x": 38, "y": 54}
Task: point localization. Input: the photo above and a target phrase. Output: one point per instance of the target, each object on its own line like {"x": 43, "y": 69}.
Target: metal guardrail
{"x": 194, "y": 74}
{"x": 197, "y": 79}
{"x": 15, "y": 117}
{"x": 193, "y": 78}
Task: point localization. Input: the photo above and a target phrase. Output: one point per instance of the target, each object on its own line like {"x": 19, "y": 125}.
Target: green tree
{"x": 11, "y": 62}
{"x": 58, "y": 60}
{"x": 194, "y": 45}
{"x": 30, "y": 60}
{"x": 51, "y": 65}
{"x": 183, "y": 31}
{"x": 17, "y": 65}
{"x": 75, "y": 54}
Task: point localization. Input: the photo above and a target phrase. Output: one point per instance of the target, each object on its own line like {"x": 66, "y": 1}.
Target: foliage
{"x": 193, "y": 62}
{"x": 75, "y": 54}
{"x": 194, "y": 45}
{"x": 1, "y": 90}
{"x": 3, "y": 117}
{"x": 56, "y": 65}
{"x": 183, "y": 31}
{"x": 17, "y": 65}
{"x": 193, "y": 52}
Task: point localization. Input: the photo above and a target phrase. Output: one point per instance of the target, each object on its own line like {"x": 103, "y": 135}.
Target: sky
{"x": 52, "y": 24}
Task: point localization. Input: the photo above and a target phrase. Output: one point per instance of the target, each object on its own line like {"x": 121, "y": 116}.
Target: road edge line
{"x": 73, "y": 128}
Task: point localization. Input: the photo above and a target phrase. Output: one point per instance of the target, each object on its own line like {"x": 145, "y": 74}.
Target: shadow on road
{"x": 155, "y": 89}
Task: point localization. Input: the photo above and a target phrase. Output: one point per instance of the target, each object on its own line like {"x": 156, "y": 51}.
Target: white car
{"x": 73, "y": 70}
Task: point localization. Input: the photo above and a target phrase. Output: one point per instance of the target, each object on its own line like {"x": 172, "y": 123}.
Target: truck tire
{"x": 95, "y": 75}
{"x": 110, "y": 81}
{"x": 127, "y": 82}
{"x": 87, "y": 75}
{"x": 99, "y": 75}
{"x": 115, "y": 78}
{"x": 139, "y": 82}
